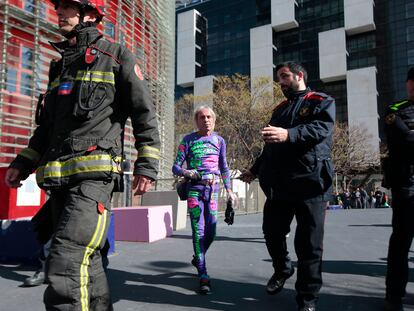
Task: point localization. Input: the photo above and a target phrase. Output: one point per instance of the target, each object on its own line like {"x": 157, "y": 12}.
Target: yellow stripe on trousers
{"x": 93, "y": 244}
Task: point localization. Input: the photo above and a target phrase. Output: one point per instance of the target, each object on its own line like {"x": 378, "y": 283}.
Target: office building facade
{"x": 356, "y": 50}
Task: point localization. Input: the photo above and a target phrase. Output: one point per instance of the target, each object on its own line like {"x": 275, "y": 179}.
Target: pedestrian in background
{"x": 378, "y": 198}
{"x": 364, "y": 196}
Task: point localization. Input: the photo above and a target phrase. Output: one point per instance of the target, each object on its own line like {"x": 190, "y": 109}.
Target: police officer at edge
{"x": 295, "y": 173}
{"x": 399, "y": 176}
{"x": 76, "y": 151}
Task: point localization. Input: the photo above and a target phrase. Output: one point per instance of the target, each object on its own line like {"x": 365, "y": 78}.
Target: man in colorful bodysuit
{"x": 205, "y": 155}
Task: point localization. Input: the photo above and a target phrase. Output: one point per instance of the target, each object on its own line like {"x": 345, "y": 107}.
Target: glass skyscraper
{"x": 357, "y": 51}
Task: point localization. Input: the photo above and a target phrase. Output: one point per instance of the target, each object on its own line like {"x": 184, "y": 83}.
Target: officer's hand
{"x": 192, "y": 174}
{"x": 13, "y": 178}
{"x": 273, "y": 134}
{"x": 141, "y": 184}
{"x": 247, "y": 176}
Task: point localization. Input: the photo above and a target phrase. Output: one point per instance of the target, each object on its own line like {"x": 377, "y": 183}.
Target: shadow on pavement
{"x": 178, "y": 289}
{"x": 364, "y": 268}
{"x": 372, "y": 225}
{"x": 12, "y": 272}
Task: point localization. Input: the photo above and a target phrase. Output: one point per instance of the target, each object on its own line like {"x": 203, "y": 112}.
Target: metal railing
{"x": 251, "y": 198}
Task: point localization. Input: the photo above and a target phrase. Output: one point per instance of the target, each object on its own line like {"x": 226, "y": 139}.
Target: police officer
{"x": 77, "y": 147}
{"x": 295, "y": 173}
{"x": 399, "y": 176}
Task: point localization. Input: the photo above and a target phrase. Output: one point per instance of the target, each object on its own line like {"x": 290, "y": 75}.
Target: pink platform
{"x": 143, "y": 223}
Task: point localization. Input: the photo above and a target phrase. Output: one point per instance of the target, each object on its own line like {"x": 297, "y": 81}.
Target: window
{"x": 11, "y": 80}
{"x": 27, "y": 58}
{"x": 409, "y": 10}
{"x": 26, "y": 84}
{"x": 109, "y": 30}
{"x": 410, "y": 57}
{"x": 19, "y": 75}
{"x": 29, "y": 6}
{"x": 410, "y": 33}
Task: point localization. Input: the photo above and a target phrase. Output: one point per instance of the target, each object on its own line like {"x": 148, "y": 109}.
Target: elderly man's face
{"x": 205, "y": 121}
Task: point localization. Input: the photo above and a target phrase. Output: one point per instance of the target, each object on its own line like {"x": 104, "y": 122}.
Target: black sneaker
{"x": 276, "y": 283}
{"x": 308, "y": 307}
{"x": 205, "y": 286}
{"x": 393, "y": 305}
{"x": 194, "y": 261}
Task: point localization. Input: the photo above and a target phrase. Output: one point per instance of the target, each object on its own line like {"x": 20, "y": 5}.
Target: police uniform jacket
{"x": 92, "y": 90}
{"x": 399, "y": 129}
{"x": 301, "y": 167}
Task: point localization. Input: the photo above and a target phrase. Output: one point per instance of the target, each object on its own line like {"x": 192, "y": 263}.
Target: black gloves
{"x": 192, "y": 174}
{"x": 229, "y": 213}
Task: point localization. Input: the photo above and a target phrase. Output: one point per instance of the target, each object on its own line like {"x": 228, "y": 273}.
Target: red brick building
{"x": 146, "y": 27}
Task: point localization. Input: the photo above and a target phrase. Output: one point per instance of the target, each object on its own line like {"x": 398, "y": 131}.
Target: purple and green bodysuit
{"x": 207, "y": 155}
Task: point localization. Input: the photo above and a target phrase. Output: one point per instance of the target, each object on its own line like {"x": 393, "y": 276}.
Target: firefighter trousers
{"x": 74, "y": 271}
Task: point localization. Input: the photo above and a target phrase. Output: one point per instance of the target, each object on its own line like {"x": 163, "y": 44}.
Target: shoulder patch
{"x": 304, "y": 111}
{"x": 315, "y": 96}
{"x": 138, "y": 72}
{"x": 390, "y": 118}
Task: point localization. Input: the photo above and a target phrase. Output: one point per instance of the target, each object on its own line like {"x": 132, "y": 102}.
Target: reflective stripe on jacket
{"x": 96, "y": 166}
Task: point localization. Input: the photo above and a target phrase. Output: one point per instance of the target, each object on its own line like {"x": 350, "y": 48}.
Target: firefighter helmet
{"x": 98, "y": 5}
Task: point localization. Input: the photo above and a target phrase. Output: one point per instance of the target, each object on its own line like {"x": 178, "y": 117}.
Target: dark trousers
{"x": 400, "y": 242}
{"x": 74, "y": 271}
{"x": 310, "y": 218}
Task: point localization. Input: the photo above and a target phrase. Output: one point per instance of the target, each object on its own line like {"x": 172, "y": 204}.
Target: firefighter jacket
{"x": 92, "y": 90}
{"x": 399, "y": 130}
{"x": 301, "y": 167}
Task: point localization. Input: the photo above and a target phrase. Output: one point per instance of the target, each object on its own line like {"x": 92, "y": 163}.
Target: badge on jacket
{"x": 138, "y": 72}
{"x": 90, "y": 55}
{"x": 65, "y": 88}
{"x": 390, "y": 118}
{"x": 304, "y": 111}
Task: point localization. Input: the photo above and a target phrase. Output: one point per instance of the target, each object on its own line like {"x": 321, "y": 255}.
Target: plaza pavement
{"x": 159, "y": 276}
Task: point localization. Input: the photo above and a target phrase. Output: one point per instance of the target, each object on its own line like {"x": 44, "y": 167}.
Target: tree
{"x": 242, "y": 111}
{"x": 351, "y": 154}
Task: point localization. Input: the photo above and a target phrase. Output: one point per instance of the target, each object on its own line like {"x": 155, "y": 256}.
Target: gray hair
{"x": 198, "y": 109}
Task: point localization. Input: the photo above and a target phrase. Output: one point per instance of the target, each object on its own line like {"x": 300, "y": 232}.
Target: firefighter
{"x": 399, "y": 176}
{"x": 295, "y": 172}
{"x": 77, "y": 147}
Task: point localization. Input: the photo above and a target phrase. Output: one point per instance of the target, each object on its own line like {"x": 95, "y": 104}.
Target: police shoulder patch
{"x": 138, "y": 72}
{"x": 390, "y": 118}
{"x": 304, "y": 111}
